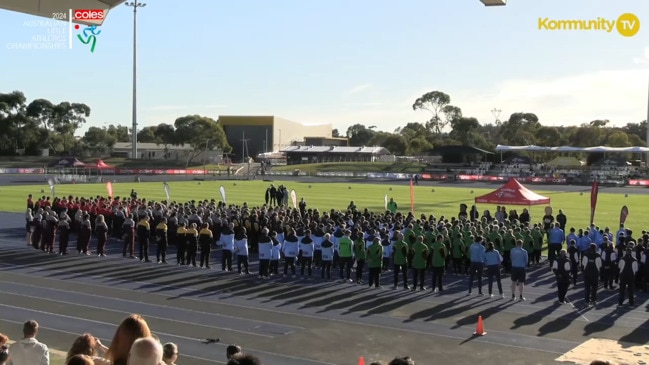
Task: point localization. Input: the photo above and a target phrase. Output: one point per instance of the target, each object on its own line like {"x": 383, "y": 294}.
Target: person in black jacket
{"x": 628, "y": 268}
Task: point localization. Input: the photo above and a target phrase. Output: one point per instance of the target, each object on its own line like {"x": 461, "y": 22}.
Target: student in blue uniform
{"x": 520, "y": 260}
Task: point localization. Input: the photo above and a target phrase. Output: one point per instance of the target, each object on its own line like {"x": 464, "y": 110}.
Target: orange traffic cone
{"x": 479, "y": 329}
{"x": 361, "y": 361}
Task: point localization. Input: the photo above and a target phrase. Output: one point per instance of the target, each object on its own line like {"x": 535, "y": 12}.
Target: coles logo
{"x": 88, "y": 14}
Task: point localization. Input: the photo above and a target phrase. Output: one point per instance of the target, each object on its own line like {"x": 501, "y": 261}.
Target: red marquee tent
{"x": 101, "y": 165}
{"x": 513, "y": 193}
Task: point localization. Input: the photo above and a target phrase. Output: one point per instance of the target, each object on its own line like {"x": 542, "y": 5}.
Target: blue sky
{"x": 341, "y": 61}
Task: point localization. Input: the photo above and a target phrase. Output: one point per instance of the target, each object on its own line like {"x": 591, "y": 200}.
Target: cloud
{"x": 359, "y": 89}
{"x": 617, "y": 95}
{"x": 363, "y": 105}
{"x": 185, "y": 107}
{"x": 166, "y": 107}
{"x": 642, "y": 60}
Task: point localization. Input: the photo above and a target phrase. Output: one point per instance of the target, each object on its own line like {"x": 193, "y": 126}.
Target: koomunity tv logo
{"x": 626, "y": 24}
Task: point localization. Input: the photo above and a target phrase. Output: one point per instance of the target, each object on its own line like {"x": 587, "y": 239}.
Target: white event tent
{"x": 597, "y": 149}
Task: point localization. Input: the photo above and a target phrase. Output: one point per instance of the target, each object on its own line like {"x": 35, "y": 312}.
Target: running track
{"x": 288, "y": 321}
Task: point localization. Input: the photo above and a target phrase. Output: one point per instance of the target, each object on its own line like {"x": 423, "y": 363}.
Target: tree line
{"x": 40, "y": 125}
{"x": 29, "y": 128}
{"x": 446, "y": 125}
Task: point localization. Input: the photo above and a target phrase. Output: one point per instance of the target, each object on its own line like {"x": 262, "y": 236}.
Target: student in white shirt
{"x": 275, "y": 254}
{"x": 241, "y": 249}
{"x": 327, "y": 256}
{"x": 29, "y": 351}
{"x": 265, "y": 247}
{"x": 227, "y": 245}
{"x": 290, "y": 249}
{"x": 306, "y": 254}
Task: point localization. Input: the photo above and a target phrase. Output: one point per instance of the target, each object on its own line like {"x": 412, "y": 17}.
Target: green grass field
{"x": 324, "y": 196}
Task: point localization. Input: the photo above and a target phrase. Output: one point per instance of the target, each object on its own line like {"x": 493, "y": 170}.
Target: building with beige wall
{"x": 252, "y": 135}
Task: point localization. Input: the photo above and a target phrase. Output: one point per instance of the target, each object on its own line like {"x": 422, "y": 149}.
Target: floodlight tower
{"x": 134, "y": 5}
{"x": 647, "y": 163}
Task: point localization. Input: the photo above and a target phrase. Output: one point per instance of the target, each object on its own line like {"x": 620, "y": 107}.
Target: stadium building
{"x": 250, "y": 136}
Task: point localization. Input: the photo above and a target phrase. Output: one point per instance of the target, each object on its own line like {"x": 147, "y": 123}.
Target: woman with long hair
{"x": 80, "y": 360}
{"x": 131, "y": 328}
{"x": 85, "y": 233}
{"x": 101, "y": 230}
{"x": 88, "y": 345}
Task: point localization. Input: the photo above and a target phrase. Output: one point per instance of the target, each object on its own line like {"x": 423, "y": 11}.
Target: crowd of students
{"x": 360, "y": 245}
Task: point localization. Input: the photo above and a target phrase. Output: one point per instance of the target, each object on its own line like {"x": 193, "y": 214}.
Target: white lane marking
{"x": 153, "y": 305}
{"x": 129, "y": 312}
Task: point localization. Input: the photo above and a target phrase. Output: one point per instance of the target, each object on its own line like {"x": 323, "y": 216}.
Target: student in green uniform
{"x": 419, "y": 258}
{"x": 528, "y": 242}
{"x": 468, "y": 241}
{"x": 359, "y": 254}
{"x": 392, "y": 206}
{"x": 375, "y": 262}
{"x": 494, "y": 236}
{"x": 438, "y": 252}
{"x": 537, "y": 235}
{"x": 458, "y": 252}
{"x": 400, "y": 260}
{"x": 508, "y": 244}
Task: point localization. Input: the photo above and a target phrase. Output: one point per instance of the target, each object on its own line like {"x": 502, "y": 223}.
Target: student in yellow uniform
{"x": 161, "y": 238}
{"x": 192, "y": 244}
{"x": 205, "y": 238}
{"x": 143, "y": 233}
{"x": 181, "y": 244}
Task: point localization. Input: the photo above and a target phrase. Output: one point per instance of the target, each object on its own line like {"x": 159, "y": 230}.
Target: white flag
{"x": 222, "y": 190}
{"x": 386, "y": 201}
{"x": 50, "y": 182}
{"x": 166, "y": 187}
{"x": 294, "y": 198}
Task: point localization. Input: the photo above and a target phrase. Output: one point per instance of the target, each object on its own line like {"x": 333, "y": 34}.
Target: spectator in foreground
{"x": 88, "y": 345}
{"x": 29, "y": 351}
{"x": 145, "y": 351}
{"x": 131, "y": 328}
{"x": 80, "y": 360}
{"x": 232, "y": 350}
{"x": 244, "y": 359}
{"x": 4, "y": 357}
{"x": 170, "y": 353}
{"x": 4, "y": 350}
{"x": 402, "y": 361}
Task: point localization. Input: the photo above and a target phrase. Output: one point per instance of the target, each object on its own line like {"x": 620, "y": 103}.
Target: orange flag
{"x": 109, "y": 189}
{"x": 412, "y": 197}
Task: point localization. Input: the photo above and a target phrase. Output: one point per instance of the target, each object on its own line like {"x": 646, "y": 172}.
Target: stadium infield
{"x": 430, "y": 198}
{"x": 290, "y": 321}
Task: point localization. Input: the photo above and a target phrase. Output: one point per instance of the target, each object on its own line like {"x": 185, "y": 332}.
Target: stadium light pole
{"x": 135, "y": 5}
{"x": 647, "y": 124}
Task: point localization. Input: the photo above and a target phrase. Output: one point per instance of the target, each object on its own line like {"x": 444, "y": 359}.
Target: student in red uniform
{"x": 85, "y": 232}
{"x": 30, "y": 202}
